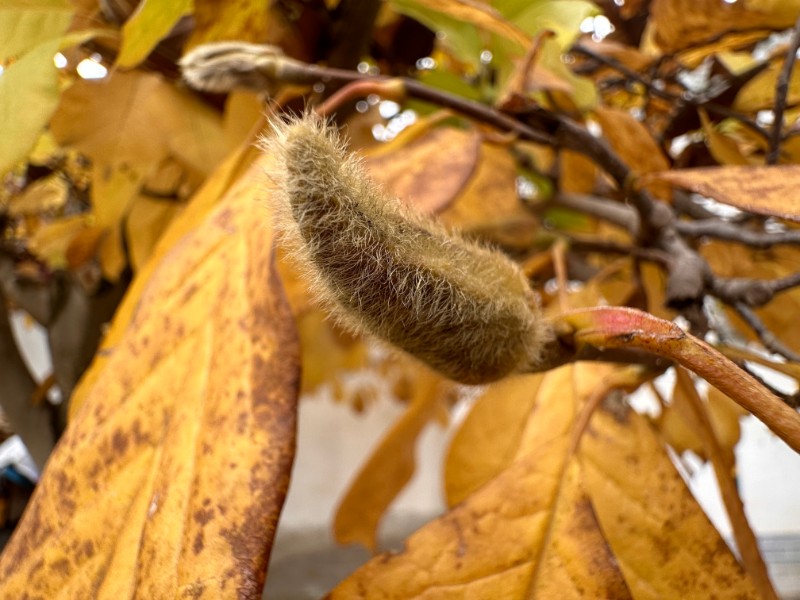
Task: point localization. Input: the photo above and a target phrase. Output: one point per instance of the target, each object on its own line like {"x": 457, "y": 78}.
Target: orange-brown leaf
{"x": 430, "y": 171}
{"x": 632, "y": 142}
{"x": 762, "y": 190}
{"x": 533, "y": 529}
{"x": 676, "y": 24}
{"x": 388, "y": 469}
{"x": 488, "y": 439}
{"x": 171, "y": 476}
{"x": 662, "y": 540}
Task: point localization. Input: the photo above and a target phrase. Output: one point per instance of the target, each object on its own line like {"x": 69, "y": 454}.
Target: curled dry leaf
{"x": 171, "y": 476}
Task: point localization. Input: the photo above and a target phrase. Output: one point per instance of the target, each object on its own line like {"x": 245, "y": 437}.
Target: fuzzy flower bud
{"x": 463, "y": 309}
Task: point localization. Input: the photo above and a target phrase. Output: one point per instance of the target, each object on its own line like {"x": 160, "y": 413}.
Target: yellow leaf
{"x": 221, "y": 182}
{"x": 388, "y": 469}
{"x": 633, "y": 143}
{"x": 540, "y": 528}
{"x": 152, "y": 21}
{"x": 764, "y": 190}
{"x": 24, "y": 24}
{"x": 170, "y": 478}
{"x": 677, "y": 432}
{"x": 576, "y": 561}
{"x": 114, "y": 188}
{"x": 659, "y": 535}
{"x": 111, "y": 253}
{"x": 242, "y": 20}
{"x": 143, "y": 119}
{"x": 724, "y": 414}
{"x": 723, "y": 148}
{"x": 577, "y": 173}
{"x": 328, "y": 352}
{"x": 244, "y": 110}
{"x": 488, "y": 206}
{"x": 491, "y": 544}
{"x": 488, "y": 439}
{"x": 83, "y": 246}
{"x": 759, "y": 92}
{"x": 696, "y": 413}
{"x": 28, "y": 96}
{"x": 779, "y": 316}
{"x": 146, "y": 221}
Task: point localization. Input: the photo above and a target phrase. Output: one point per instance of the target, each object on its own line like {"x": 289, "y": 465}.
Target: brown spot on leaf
{"x": 119, "y": 442}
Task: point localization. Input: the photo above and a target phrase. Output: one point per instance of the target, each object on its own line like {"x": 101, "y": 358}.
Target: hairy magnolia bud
{"x": 465, "y": 310}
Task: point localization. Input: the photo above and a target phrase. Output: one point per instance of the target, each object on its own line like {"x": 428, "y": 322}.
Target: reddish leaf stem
{"x": 617, "y": 327}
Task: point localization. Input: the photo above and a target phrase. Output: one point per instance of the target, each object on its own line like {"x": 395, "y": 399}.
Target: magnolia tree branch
{"x": 724, "y": 230}
{"x": 769, "y": 339}
{"x": 781, "y": 93}
{"x": 652, "y": 222}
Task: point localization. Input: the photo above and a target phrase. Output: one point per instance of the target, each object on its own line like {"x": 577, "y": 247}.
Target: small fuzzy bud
{"x": 463, "y": 309}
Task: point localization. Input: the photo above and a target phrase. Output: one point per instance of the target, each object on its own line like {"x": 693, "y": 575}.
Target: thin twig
{"x": 723, "y": 230}
{"x": 781, "y": 92}
{"x": 585, "y": 245}
{"x": 770, "y": 341}
{"x": 785, "y": 283}
{"x": 607, "y": 210}
{"x": 631, "y": 75}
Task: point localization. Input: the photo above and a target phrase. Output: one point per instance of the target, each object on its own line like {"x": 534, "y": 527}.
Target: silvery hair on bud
{"x": 463, "y": 309}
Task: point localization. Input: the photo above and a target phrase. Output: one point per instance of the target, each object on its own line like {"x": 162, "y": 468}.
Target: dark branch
{"x": 724, "y": 230}
{"x": 781, "y": 92}
{"x": 769, "y": 339}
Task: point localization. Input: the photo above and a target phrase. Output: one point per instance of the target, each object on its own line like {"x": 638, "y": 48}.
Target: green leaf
{"x": 563, "y": 17}
{"x": 465, "y": 25}
{"x": 25, "y": 24}
{"x": 151, "y": 22}
{"x": 28, "y": 96}
{"x": 459, "y": 36}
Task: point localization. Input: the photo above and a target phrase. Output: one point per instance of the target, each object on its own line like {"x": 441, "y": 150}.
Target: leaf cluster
{"x": 638, "y": 163}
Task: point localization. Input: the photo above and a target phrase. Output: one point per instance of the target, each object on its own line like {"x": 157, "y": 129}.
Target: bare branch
{"x": 781, "y": 92}
{"x": 615, "y": 213}
{"x": 724, "y": 230}
{"x": 770, "y": 341}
